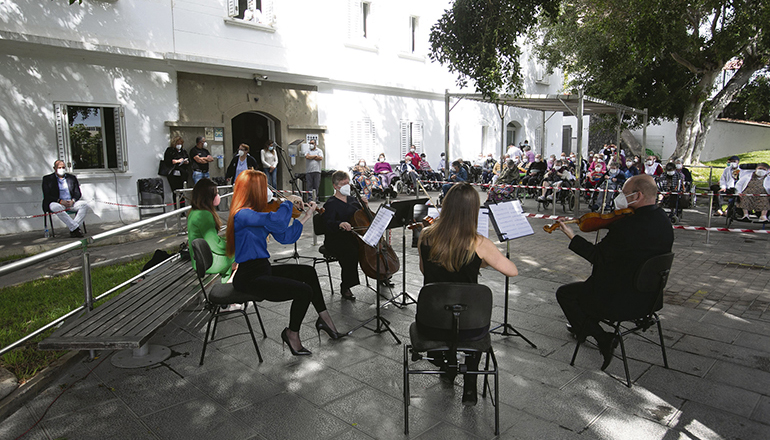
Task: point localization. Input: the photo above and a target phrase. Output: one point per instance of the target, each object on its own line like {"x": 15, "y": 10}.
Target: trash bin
{"x": 326, "y": 189}
{"x": 150, "y": 192}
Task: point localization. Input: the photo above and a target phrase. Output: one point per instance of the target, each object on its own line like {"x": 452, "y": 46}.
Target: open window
{"x": 251, "y": 11}
{"x": 91, "y": 136}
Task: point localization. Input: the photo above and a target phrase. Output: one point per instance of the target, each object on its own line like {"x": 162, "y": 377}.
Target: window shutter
{"x": 417, "y": 135}
{"x": 267, "y": 11}
{"x": 354, "y": 142}
{"x": 404, "y": 139}
{"x": 120, "y": 152}
{"x": 370, "y": 143}
{"x": 62, "y": 132}
{"x": 232, "y": 8}
{"x": 355, "y": 27}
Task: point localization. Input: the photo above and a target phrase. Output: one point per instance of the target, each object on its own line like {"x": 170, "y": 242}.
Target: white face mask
{"x": 679, "y": 166}
{"x": 345, "y": 189}
{"x": 312, "y": 146}
{"x": 382, "y": 159}
{"x": 629, "y": 164}
{"x": 670, "y": 173}
{"x": 205, "y": 144}
{"x": 60, "y": 172}
{"x": 613, "y": 172}
{"x": 734, "y": 164}
{"x": 650, "y": 162}
{"x": 598, "y": 168}
{"x": 178, "y": 147}
{"x": 621, "y": 202}
{"x": 412, "y": 150}
{"x": 362, "y": 164}
{"x": 761, "y": 173}
{"x": 241, "y": 153}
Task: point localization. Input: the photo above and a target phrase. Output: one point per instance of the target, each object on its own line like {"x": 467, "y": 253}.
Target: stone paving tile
{"x": 20, "y": 422}
{"x": 529, "y": 427}
{"x": 235, "y": 386}
{"x": 86, "y": 393}
{"x": 199, "y": 418}
{"x": 618, "y": 424}
{"x": 444, "y": 431}
{"x": 762, "y": 412}
{"x": 110, "y": 420}
{"x": 739, "y": 376}
{"x": 699, "y": 421}
{"x": 720, "y": 350}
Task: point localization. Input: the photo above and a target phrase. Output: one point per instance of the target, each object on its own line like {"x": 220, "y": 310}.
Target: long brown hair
{"x": 249, "y": 192}
{"x": 452, "y": 237}
{"x": 203, "y": 194}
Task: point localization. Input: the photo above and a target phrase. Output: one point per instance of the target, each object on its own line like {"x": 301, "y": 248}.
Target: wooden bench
{"x": 128, "y": 321}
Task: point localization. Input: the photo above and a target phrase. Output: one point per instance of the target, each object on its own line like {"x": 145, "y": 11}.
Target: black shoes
{"x": 470, "y": 394}
{"x": 348, "y": 295}
{"x": 575, "y": 335}
{"x": 301, "y": 352}
{"x": 387, "y": 283}
{"x": 76, "y": 233}
{"x": 607, "y": 344}
{"x": 321, "y": 325}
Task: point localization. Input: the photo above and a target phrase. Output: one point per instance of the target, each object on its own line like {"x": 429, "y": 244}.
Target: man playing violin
{"x": 616, "y": 258}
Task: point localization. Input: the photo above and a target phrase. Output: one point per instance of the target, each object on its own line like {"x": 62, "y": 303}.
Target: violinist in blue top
{"x": 247, "y": 231}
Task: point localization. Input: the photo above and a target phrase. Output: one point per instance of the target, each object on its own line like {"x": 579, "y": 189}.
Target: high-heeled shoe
{"x": 348, "y": 295}
{"x": 301, "y": 352}
{"x": 321, "y": 325}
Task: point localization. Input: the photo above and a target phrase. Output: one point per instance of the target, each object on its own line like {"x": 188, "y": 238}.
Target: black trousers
{"x": 282, "y": 282}
{"x": 176, "y": 182}
{"x": 582, "y": 309}
{"x": 344, "y": 247}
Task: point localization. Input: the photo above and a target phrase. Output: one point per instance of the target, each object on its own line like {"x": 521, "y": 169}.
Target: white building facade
{"x": 355, "y": 74}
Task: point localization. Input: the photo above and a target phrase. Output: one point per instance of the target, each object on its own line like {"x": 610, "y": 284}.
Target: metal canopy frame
{"x": 576, "y": 105}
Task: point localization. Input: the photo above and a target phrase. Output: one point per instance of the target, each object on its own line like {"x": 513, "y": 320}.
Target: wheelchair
{"x": 676, "y": 203}
{"x": 565, "y": 195}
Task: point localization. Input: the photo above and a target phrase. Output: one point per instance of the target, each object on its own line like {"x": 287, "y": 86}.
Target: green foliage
{"x": 753, "y": 103}
{"x": 477, "y": 40}
{"x": 29, "y": 306}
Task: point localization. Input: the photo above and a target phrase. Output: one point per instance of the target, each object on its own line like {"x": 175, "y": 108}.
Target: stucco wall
{"x": 28, "y": 143}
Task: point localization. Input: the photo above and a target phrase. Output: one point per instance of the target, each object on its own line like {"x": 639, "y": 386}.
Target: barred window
{"x": 91, "y": 136}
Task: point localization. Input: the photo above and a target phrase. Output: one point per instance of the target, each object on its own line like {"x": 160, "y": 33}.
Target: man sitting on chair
{"x": 61, "y": 192}
{"x": 616, "y": 258}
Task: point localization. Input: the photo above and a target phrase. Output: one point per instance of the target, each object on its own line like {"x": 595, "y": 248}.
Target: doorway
{"x": 566, "y": 139}
{"x": 255, "y": 129}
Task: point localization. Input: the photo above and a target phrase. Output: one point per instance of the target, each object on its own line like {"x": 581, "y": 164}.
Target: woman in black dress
{"x": 452, "y": 251}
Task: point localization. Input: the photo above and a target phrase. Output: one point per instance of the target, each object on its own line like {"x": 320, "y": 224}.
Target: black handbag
{"x": 164, "y": 169}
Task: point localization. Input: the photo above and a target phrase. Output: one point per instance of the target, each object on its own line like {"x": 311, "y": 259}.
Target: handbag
{"x": 164, "y": 169}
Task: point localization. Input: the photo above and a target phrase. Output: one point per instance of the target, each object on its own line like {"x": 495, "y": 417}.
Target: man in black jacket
{"x": 631, "y": 241}
{"x": 61, "y": 193}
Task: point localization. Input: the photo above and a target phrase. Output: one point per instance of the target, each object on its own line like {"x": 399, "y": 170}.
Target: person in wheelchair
{"x": 451, "y": 250}
{"x": 368, "y": 184}
{"x": 670, "y": 181}
{"x": 555, "y": 178}
{"x": 409, "y": 176}
{"x": 535, "y": 172}
{"x": 502, "y": 191}
{"x": 754, "y": 183}
{"x": 614, "y": 180}
{"x": 457, "y": 174}
{"x": 594, "y": 180}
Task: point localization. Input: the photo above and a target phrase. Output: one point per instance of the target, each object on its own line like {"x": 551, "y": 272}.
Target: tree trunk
{"x": 689, "y": 126}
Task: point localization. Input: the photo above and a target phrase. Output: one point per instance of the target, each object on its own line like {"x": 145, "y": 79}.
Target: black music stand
{"x": 381, "y": 322}
{"x": 293, "y": 182}
{"x": 507, "y": 236}
{"x": 403, "y": 217}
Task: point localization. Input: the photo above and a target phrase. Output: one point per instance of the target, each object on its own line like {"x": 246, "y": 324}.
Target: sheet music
{"x": 378, "y": 226}
{"x": 517, "y": 207}
{"x": 433, "y": 212}
{"x": 483, "y": 228}
{"x": 508, "y": 223}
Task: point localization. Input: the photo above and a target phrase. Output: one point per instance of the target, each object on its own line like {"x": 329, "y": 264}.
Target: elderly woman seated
{"x": 365, "y": 179}
{"x": 754, "y": 183}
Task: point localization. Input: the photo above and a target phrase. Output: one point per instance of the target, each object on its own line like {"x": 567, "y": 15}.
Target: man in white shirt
{"x": 314, "y": 158}
{"x": 515, "y": 153}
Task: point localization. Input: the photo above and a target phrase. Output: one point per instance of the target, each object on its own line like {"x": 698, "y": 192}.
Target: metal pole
{"x": 446, "y": 134}
{"x": 87, "y": 288}
{"x": 645, "y": 118}
{"x": 315, "y": 237}
{"x": 710, "y": 210}
{"x": 578, "y": 168}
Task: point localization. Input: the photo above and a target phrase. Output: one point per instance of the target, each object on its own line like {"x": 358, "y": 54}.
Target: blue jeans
{"x": 198, "y": 175}
{"x": 272, "y": 176}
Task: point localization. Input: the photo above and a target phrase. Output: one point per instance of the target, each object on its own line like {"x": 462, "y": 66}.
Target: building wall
{"x": 28, "y": 89}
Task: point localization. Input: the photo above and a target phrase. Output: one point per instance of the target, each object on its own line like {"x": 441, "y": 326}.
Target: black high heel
{"x": 301, "y": 352}
{"x": 321, "y": 325}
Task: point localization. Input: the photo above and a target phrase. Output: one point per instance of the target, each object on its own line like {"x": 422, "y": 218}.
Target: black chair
{"x": 320, "y": 229}
{"x": 48, "y": 221}
{"x": 221, "y": 295}
{"x": 650, "y": 280}
{"x": 449, "y": 309}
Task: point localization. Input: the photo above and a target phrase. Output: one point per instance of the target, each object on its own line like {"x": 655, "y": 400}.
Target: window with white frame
{"x": 251, "y": 11}
{"x": 363, "y": 141}
{"x": 91, "y": 136}
{"x": 359, "y": 20}
{"x": 411, "y": 134}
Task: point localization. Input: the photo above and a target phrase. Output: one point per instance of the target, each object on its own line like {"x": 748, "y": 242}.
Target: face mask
{"x": 636, "y": 160}
{"x": 629, "y": 164}
{"x": 621, "y": 202}
{"x": 241, "y": 153}
{"x": 760, "y": 173}
{"x": 345, "y": 189}
{"x": 205, "y": 144}
{"x": 734, "y": 164}
{"x": 613, "y": 172}
{"x": 270, "y": 148}
{"x": 679, "y": 166}
{"x": 670, "y": 173}
{"x": 361, "y": 164}
{"x": 382, "y": 159}
{"x": 60, "y": 172}
{"x": 217, "y": 200}
{"x": 650, "y": 162}
{"x": 598, "y": 168}
{"x": 178, "y": 147}
{"x": 412, "y": 150}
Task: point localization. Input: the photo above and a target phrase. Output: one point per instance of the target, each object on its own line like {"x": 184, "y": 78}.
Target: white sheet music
{"x": 508, "y": 223}
{"x": 433, "y": 212}
{"x": 378, "y": 226}
{"x": 517, "y": 207}
{"x": 483, "y": 227}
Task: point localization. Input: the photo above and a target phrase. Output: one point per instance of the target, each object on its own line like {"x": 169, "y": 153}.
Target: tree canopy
{"x": 753, "y": 103}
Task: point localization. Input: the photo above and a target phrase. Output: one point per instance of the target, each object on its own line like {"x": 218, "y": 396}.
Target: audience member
{"x": 241, "y": 162}
{"x": 313, "y": 161}
{"x": 727, "y": 181}
{"x": 201, "y": 159}
{"x": 61, "y": 193}
{"x": 385, "y": 172}
{"x": 754, "y": 183}
{"x": 269, "y": 159}
{"x": 176, "y": 158}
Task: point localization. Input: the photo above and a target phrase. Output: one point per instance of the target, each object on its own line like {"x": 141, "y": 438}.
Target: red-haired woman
{"x": 247, "y": 231}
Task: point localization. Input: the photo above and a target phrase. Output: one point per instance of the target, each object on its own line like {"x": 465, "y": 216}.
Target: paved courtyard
{"x": 716, "y": 325}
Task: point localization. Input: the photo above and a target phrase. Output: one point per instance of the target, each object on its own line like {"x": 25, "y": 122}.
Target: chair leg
{"x": 574, "y": 355}
{"x": 623, "y": 354}
{"x": 497, "y": 396}
{"x": 251, "y": 332}
{"x": 406, "y": 389}
{"x": 486, "y": 378}
{"x": 329, "y": 272}
{"x": 206, "y": 339}
{"x": 662, "y": 344}
{"x": 261, "y": 325}
{"x": 216, "y": 321}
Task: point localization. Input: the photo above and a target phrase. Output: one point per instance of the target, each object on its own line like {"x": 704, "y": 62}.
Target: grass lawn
{"x": 701, "y": 175}
{"x": 27, "y": 307}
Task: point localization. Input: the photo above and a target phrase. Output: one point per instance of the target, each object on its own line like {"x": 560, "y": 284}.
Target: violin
{"x": 593, "y": 221}
{"x": 297, "y": 208}
{"x": 424, "y": 223}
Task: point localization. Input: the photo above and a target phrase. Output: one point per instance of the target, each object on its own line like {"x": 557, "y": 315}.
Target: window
{"x": 91, "y": 136}
{"x": 359, "y": 20}
{"x": 411, "y": 134}
{"x": 251, "y": 11}
{"x": 363, "y": 141}
{"x": 413, "y": 23}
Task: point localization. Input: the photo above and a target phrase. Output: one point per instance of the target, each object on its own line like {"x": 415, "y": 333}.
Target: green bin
{"x": 326, "y": 190}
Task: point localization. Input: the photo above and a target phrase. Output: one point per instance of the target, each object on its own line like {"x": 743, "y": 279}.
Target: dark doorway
{"x": 566, "y": 139}
{"x": 254, "y": 130}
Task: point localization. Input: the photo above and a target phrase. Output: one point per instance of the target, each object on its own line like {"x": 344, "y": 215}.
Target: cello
{"x": 368, "y": 256}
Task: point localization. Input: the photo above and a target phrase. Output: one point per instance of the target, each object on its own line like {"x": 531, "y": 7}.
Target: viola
{"x": 593, "y": 221}
{"x": 424, "y": 223}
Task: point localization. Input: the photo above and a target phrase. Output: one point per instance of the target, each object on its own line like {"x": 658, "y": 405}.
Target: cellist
{"x": 609, "y": 291}
{"x": 338, "y": 238}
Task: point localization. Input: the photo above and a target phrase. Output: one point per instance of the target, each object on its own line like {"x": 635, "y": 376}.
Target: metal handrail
{"x": 83, "y": 243}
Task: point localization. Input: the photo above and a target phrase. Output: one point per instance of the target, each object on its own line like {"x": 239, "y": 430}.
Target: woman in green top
{"x": 204, "y": 222}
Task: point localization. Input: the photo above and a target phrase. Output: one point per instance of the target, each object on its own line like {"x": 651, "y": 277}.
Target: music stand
{"x": 507, "y": 229}
{"x": 403, "y": 217}
{"x": 381, "y": 322}
{"x": 293, "y": 182}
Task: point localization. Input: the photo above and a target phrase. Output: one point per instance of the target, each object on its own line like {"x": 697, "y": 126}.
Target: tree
{"x": 666, "y": 56}
{"x": 753, "y": 103}
{"x": 477, "y": 40}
